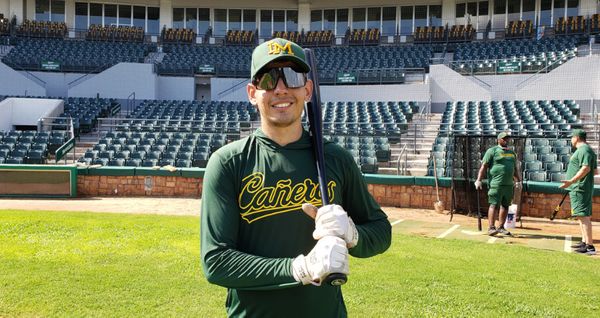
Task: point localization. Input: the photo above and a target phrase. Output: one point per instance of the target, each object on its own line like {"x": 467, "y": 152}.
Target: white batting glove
{"x": 478, "y": 185}
{"x": 329, "y": 255}
{"x": 333, "y": 220}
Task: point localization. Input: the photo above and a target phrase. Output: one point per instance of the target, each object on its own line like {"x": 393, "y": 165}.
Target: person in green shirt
{"x": 501, "y": 162}
{"x": 580, "y": 184}
{"x": 255, "y": 238}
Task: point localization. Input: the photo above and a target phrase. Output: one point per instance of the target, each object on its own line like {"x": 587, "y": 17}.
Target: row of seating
{"x": 4, "y": 26}
{"x": 115, "y": 33}
{"x": 178, "y": 35}
{"x": 29, "y": 147}
{"x": 531, "y": 118}
{"x": 456, "y": 33}
{"x": 544, "y": 61}
{"x": 43, "y": 29}
{"x": 571, "y": 25}
{"x": 75, "y": 55}
{"x": 238, "y": 37}
{"x": 514, "y": 48}
{"x": 364, "y": 37}
{"x": 519, "y": 29}
{"x": 316, "y": 38}
{"x": 149, "y": 149}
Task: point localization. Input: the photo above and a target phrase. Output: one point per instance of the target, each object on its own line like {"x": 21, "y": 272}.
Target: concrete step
{"x": 417, "y": 172}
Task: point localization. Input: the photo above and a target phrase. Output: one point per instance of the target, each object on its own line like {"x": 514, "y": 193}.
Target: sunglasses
{"x": 268, "y": 80}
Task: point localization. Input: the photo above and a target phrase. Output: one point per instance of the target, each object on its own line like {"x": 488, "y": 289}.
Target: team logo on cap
{"x": 276, "y": 48}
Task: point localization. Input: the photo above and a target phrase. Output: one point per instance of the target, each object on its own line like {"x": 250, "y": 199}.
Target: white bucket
{"x": 511, "y": 217}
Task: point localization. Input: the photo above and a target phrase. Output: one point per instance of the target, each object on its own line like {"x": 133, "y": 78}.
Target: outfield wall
{"x": 539, "y": 199}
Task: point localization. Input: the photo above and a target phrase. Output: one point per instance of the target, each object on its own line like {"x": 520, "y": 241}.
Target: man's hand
{"x": 566, "y": 184}
{"x": 332, "y": 220}
{"x": 478, "y": 185}
{"x": 330, "y": 255}
{"x": 518, "y": 185}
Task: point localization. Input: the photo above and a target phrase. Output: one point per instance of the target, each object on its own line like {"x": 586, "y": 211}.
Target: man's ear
{"x": 309, "y": 90}
{"x": 251, "y": 90}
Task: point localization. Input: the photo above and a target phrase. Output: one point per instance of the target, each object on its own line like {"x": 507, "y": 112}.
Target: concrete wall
{"x": 119, "y": 81}
{"x": 57, "y": 83}
{"x": 448, "y": 85}
{"x": 404, "y": 196}
{"x": 404, "y": 92}
{"x": 229, "y": 89}
{"x": 413, "y": 92}
{"x": 15, "y": 83}
{"x": 27, "y": 111}
{"x": 170, "y": 87}
{"x": 577, "y": 79}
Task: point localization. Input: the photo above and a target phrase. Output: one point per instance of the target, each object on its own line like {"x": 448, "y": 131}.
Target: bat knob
{"x": 336, "y": 279}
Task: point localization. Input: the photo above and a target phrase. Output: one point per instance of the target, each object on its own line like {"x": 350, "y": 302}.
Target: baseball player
{"x": 580, "y": 183}
{"x": 255, "y": 238}
{"x": 502, "y": 164}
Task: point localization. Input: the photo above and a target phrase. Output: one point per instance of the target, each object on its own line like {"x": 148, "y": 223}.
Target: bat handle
{"x": 336, "y": 279}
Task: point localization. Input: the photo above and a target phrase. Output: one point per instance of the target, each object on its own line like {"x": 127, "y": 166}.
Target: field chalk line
{"x": 568, "y": 239}
{"x": 448, "y": 231}
{"x": 397, "y": 222}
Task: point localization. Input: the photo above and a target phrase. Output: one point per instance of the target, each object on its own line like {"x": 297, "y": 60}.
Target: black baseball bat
{"x": 315, "y": 121}
{"x": 478, "y": 210}
{"x": 557, "y": 208}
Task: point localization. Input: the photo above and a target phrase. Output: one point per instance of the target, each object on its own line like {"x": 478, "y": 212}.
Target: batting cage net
{"x": 467, "y": 152}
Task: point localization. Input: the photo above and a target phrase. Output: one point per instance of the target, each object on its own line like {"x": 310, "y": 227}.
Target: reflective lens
{"x": 291, "y": 78}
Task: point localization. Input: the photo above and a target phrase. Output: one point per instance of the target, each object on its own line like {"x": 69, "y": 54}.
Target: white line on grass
{"x": 397, "y": 222}
{"x": 568, "y": 243}
{"x": 448, "y": 231}
{"x": 492, "y": 240}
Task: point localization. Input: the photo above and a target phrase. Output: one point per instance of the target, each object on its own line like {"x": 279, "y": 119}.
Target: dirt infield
{"x": 176, "y": 206}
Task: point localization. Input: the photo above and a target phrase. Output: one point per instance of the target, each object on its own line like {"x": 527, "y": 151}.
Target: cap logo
{"x": 276, "y": 48}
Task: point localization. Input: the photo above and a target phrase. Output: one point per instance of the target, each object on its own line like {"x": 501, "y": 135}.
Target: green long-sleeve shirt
{"x": 252, "y": 225}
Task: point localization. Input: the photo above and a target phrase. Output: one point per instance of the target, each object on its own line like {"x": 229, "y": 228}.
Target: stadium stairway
{"x": 417, "y": 153}
{"x": 84, "y": 143}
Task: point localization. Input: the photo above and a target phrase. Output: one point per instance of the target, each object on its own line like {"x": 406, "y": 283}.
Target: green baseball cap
{"x": 277, "y": 49}
{"x": 578, "y": 133}
{"x": 503, "y": 135}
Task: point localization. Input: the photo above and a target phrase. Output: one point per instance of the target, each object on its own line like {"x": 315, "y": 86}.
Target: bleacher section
{"x": 457, "y": 33}
{"x": 186, "y": 133}
{"x": 364, "y": 37}
{"x": 544, "y": 124}
{"x": 4, "y": 25}
{"x": 73, "y": 55}
{"x": 572, "y": 25}
{"x": 519, "y": 29}
{"x": 42, "y": 29}
{"x": 595, "y": 23}
{"x": 29, "y": 147}
{"x": 178, "y": 36}
{"x": 86, "y": 111}
{"x": 521, "y": 55}
{"x": 384, "y": 63}
{"x": 367, "y": 129}
{"x": 186, "y": 59}
{"x": 115, "y": 33}
{"x": 293, "y": 36}
{"x": 237, "y": 37}
{"x": 235, "y": 61}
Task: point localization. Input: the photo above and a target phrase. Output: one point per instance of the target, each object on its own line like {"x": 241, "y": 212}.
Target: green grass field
{"x": 99, "y": 265}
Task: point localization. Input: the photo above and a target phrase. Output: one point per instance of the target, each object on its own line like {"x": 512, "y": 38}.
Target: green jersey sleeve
{"x": 222, "y": 263}
{"x": 488, "y": 157}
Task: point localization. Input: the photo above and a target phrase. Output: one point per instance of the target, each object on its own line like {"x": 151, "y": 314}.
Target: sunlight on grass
{"x": 64, "y": 264}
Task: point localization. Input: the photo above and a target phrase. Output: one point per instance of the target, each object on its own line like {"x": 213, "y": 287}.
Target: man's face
{"x": 503, "y": 142}
{"x": 574, "y": 140}
{"x": 280, "y": 107}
